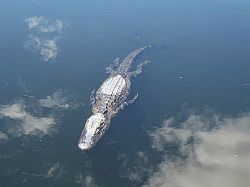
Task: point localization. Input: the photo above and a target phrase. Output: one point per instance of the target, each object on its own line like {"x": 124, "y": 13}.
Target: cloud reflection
{"x": 209, "y": 157}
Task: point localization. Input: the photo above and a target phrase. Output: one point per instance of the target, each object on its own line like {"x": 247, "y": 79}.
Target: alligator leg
{"x": 126, "y": 103}
{"x": 111, "y": 68}
{"x": 138, "y": 70}
{"x": 132, "y": 100}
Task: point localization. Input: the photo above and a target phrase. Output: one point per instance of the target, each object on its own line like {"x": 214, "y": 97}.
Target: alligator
{"x": 110, "y": 98}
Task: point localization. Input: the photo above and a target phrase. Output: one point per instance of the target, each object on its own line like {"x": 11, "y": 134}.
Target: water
{"x": 206, "y": 65}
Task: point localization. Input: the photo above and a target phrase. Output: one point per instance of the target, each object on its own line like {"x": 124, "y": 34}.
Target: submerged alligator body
{"x": 110, "y": 98}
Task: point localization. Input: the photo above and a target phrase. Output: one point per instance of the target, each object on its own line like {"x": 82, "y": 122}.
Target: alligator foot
{"x": 92, "y": 98}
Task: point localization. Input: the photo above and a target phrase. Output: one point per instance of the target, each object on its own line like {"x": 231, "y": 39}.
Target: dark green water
{"x": 206, "y": 64}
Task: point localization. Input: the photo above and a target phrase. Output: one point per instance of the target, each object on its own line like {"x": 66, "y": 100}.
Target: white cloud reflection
{"x": 44, "y": 36}
{"x": 85, "y": 181}
{"x": 217, "y": 157}
{"x": 60, "y": 99}
{"x": 24, "y": 122}
{"x": 29, "y": 117}
{"x": 41, "y": 24}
